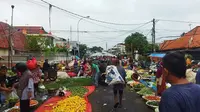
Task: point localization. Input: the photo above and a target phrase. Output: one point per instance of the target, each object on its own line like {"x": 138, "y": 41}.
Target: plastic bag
{"x": 13, "y": 97}
{"x": 113, "y": 76}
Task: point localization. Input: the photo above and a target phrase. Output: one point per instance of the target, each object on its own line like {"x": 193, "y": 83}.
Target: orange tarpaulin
{"x": 90, "y": 90}
{"x": 47, "y": 106}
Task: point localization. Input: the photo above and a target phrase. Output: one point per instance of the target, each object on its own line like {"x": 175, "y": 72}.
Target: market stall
{"x": 146, "y": 88}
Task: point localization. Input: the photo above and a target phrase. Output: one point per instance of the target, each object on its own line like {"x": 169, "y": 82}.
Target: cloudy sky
{"x": 35, "y": 13}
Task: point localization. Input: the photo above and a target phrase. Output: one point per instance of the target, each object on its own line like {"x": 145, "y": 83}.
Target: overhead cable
{"x": 100, "y": 21}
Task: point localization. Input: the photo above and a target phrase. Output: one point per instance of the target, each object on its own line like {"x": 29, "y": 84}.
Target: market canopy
{"x": 158, "y": 55}
{"x": 103, "y": 54}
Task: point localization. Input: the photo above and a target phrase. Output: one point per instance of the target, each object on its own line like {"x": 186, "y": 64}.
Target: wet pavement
{"x": 102, "y": 101}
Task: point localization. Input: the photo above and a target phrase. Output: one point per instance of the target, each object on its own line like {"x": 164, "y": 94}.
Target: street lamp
{"x": 10, "y": 53}
{"x": 78, "y": 32}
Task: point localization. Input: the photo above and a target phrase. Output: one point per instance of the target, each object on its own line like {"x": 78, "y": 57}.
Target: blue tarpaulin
{"x": 159, "y": 55}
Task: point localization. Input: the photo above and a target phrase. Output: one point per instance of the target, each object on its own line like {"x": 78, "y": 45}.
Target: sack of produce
{"x": 113, "y": 76}
{"x": 32, "y": 63}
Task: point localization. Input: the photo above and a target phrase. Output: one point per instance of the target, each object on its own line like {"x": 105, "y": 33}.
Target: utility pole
{"x": 67, "y": 47}
{"x": 106, "y": 46}
{"x": 70, "y": 33}
{"x": 131, "y": 49}
{"x": 153, "y": 36}
{"x": 10, "y": 52}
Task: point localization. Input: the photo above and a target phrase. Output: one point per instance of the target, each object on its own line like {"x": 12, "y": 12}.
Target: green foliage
{"x": 83, "y": 50}
{"x": 54, "y": 50}
{"x": 137, "y": 41}
{"x": 37, "y": 43}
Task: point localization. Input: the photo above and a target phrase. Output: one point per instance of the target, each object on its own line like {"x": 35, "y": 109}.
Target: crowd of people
{"x": 172, "y": 68}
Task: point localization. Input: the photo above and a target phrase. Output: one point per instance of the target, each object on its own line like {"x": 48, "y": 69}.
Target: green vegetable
{"x": 153, "y": 103}
{"x": 146, "y": 75}
{"x": 139, "y": 86}
{"x": 10, "y": 73}
{"x": 145, "y": 91}
{"x": 77, "y": 91}
{"x": 70, "y": 82}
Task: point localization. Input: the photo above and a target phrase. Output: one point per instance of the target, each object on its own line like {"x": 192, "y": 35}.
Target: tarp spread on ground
{"x": 158, "y": 55}
{"x": 50, "y": 103}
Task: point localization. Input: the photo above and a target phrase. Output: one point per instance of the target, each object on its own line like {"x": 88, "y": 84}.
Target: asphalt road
{"x": 102, "y": 101}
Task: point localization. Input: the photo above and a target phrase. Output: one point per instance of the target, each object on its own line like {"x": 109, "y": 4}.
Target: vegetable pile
{"x": 145, "y": 91}
{"x": 10, "y": 73}
{"x": 153, "y": 103}
{"x": 129, "y": 73}
{"x": 77, "y": 91}
{"x": 151, "y": 97}
{"x": 71, "y": 104}
{"x": 14, "y": 110}
{"x": 70, "y": 82}
{"x": 139, "y": 86}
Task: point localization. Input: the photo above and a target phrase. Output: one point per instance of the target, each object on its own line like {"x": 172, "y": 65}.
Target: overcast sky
{"x": 35, "y": 12}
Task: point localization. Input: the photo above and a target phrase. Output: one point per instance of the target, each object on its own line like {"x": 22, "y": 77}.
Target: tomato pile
{"x": 157, "y": 98}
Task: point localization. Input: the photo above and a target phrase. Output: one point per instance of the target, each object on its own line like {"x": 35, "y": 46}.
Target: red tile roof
{"x": 18, "y": 38}
{"x": 31, "y": 29}
{"x": 190, "y": 39}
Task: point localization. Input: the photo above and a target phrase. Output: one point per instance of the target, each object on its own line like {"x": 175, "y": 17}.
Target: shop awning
{"x": 158, "y": 55}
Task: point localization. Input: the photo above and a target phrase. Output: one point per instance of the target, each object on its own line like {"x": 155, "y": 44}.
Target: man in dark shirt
{"x": 46, "y": 67}
{"x": 182, "y": 96}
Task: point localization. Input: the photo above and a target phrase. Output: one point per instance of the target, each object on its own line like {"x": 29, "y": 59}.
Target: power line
{"x": 100, "y": 31}
{"x": 178, "y": 21}
{"x": 100, "y": 21}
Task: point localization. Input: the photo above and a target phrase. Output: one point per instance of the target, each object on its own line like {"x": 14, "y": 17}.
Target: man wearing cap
{"x": 182, "y": 96}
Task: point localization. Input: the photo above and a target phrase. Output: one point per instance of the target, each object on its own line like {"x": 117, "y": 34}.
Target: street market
{"x": 99, "y": 56}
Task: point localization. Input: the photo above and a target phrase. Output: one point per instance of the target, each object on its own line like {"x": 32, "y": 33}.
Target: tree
{"x": 95, "y": 49}
{"x": 137, "y": 41}
{"x": 82, "y": 50}
{"x": 37, "y": 43}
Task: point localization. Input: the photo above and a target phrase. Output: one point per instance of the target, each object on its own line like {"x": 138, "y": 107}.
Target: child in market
{"x": 25, "y": 87}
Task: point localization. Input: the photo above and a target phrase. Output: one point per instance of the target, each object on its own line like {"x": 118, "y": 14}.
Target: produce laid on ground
{"x": 32, "y": 103}
{"x": 140, "y": 70}
{"x": 70, "y": 82}
{"x": 129, "y": 73}
{"x": 145, "y": 91}
{"x": 77, "y": 91}
{"x": 134, "y": 83}
{"x": 151, "y": 98}
{"x": 13, "y": 110}
{"x": 146, "y": 75}
{"x": 152, "y": 104}
{"x": 71, "y": 104}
